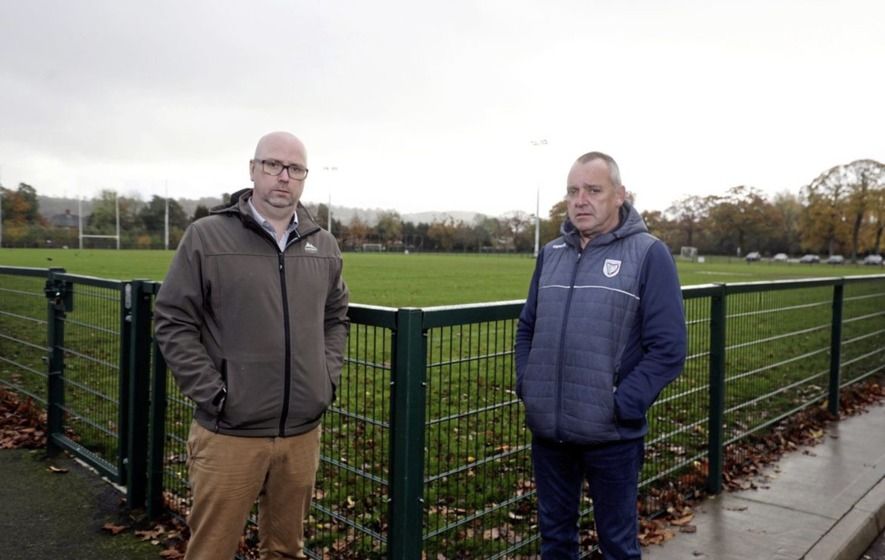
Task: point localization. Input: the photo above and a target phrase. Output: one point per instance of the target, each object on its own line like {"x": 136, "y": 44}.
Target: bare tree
{"x": 742, "y": 219}
{"x": 389, "y": 227}
{"x": 690, "y": 213}
{"x": 357, "y": 231}
{"x": 442, "y": 233}
{"x": 839, "y": 200}
{"x": 789, "y": 209}
{"x": 877, "y": 220}
{"x": 868, "y": 181}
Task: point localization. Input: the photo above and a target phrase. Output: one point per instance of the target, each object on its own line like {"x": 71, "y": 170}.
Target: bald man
{"x": 252, "y": 321}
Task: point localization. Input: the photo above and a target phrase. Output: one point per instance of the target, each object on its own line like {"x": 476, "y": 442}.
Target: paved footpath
{"x": 826, "y": 502}
{"x": 58, "y": 515}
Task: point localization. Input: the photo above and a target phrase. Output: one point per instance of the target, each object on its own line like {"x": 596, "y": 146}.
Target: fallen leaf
{"x": 149, "y": 535}
{"x": 113, "y": 528}
{"x": 682, "y": 520}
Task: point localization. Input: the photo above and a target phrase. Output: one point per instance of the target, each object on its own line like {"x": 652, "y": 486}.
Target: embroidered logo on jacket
{"x": 309, "y": 248}
{"x": 611, "y": 267}
{"x": 560, "y": 246}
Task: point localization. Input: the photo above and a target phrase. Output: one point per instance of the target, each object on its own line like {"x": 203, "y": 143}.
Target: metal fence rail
{"x": 424, "y": 450}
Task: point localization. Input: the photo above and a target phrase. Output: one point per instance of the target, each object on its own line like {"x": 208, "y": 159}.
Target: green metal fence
{"x": 425, "y": 450}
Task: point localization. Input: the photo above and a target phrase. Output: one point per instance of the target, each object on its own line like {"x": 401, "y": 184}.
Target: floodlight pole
{"x": 80, "y": 220}
{"x": 537, "y": 221}
{"x": 166, "y": 220}
{"x": 540, "y": 143}
{"x": 117, "y": 208}
{"x": 331, "y": 169}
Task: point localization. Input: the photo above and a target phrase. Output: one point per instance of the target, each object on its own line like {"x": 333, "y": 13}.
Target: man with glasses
{"x": 602, "y": 332}
{"x": 252, "y": 321}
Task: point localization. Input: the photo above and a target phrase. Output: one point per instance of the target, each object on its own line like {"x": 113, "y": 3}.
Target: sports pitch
{"x": 420, "y": 280}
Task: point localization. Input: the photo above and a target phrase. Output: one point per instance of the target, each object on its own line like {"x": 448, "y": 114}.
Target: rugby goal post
{"x": 689, "y": 253}
{"x": 95, "y": 236}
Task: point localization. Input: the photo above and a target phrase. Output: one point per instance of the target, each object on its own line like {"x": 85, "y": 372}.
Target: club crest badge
{"x": 611, "y": 267}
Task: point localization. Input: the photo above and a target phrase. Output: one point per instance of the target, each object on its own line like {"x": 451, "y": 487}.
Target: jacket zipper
{"x": 287, "y": 367}
{"x": 287, "y": 327}
{"x": 568, "y": 305}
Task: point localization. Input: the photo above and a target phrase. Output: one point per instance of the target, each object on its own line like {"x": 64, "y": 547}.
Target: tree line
{"x": 842, "y": 211}
{"x": 142, "y": 225}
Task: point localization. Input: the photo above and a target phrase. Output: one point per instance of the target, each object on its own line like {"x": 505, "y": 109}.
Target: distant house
{"x": 66, "y": 220}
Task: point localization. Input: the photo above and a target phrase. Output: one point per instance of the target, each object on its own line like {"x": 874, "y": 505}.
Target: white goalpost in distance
{"x": 95, "y": 236}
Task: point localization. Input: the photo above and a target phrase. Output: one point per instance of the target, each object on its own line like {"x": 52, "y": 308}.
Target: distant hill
{"x": 370, "y": 215}
{"x": 55, "y": 206}
{"x": 430, "y": 217}
{"x": 52, "y": 206}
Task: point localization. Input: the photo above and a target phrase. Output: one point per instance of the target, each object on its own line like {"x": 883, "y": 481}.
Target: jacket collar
{"x": 238, "y": 205}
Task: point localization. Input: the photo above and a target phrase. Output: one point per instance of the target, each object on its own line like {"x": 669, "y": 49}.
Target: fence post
{"x": 407, "y": 405}
{"x": 60, "y": 300}
{"x": 157, "y": 427}
{"x": 716, "y": 449}
{"x": 836, "y": 347}
{"x": 123, "y": 416}
{"x": 138, "y": 317}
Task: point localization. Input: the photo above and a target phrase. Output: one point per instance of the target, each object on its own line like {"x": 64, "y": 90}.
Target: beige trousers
{"x": 228, "y": 473}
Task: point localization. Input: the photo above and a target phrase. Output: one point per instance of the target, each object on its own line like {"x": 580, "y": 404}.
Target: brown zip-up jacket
{"x": 254, "y": 336}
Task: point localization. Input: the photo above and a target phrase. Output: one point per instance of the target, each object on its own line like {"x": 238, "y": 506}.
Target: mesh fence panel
{"x": 92, "y": 377}
{"x": 349, "y": 513}
{"x": 479, "y": 495}
{"x": 23, "y": 333}
{"x": 863, "y": 330}
{"x": 676, "y": 443}
{"x": 777, "y": 356}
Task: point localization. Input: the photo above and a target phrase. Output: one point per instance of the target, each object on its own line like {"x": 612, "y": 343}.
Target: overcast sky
{"x": 434, "y": 106}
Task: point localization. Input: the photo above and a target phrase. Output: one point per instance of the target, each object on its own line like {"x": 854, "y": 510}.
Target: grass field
{"x": 418, "y": 280}
{"x": 476, "y": 464}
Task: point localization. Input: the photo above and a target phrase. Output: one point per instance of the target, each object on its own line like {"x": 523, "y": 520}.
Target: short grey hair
{"x": 614, "y": 172}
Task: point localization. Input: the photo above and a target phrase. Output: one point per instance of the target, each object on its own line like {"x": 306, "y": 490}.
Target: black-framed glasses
{"x": 274, "y": 167}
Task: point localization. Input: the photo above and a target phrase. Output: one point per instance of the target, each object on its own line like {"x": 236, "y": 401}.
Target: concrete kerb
{"x": 855, "y": 531}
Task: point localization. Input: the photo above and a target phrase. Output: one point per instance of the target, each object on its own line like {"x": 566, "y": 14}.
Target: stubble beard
{"x": 277, "y": 199}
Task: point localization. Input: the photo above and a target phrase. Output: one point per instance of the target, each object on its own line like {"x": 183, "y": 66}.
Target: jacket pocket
{"x": 254, "y": 394}
{"x": 333, "y": 390}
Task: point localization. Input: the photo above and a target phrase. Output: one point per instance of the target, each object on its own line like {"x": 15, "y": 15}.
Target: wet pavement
{"x": 55, "y": 508}
{"x": 822, "y": 502}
